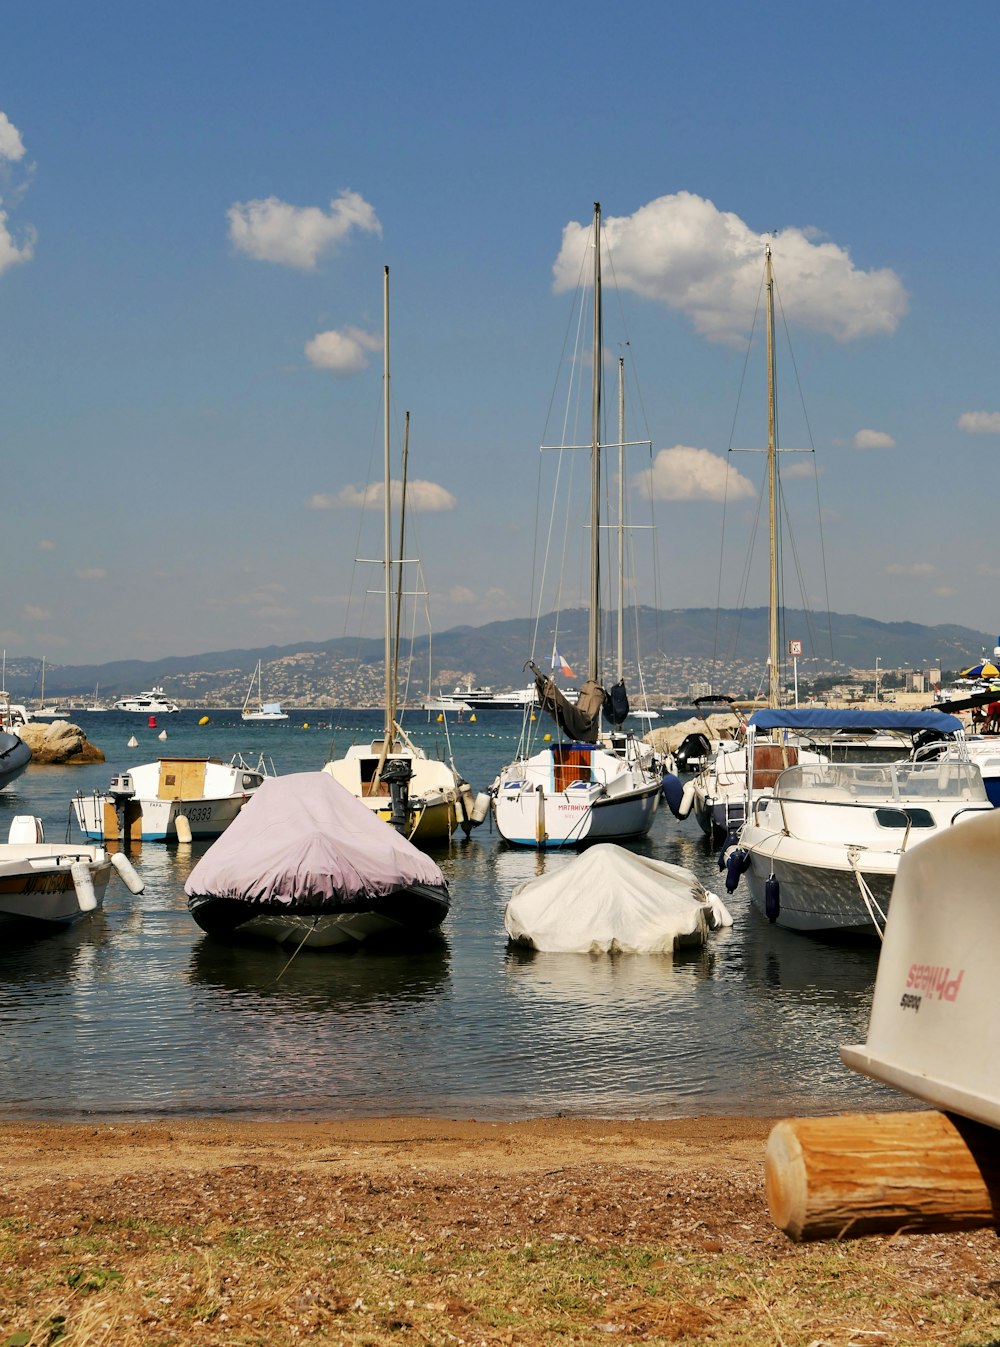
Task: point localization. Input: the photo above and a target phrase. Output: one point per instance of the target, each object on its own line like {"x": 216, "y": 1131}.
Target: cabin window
{"x": 898, "y": 818}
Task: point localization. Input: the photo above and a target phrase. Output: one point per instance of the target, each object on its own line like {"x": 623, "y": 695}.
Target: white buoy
{"x": 162, "y": 734}
{"x": 133, "y": 742}
{"x": 130, "y": 877}
{"x": 182, "y": 826}
{"x": 84, "y": 885}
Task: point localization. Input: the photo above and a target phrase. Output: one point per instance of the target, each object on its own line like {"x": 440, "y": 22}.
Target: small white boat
{"x": 611, "y": 901}
{"x": 309, "y": 864}
{"x": 155, "y": 702}
{"x": 824, "y": 840}
{"x": 171, "y": 799}
{"x": 46, "y": 885}
{"x": 255, "y": 708}
{"x": 934, "y": 1030}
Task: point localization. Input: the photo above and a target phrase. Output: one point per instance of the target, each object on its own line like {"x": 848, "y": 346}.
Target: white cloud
{"x": 32, "y": 613}
{"x": 800, "y": 465}
{"x": 707, "y": 263}
{"x": 980, "y": 423}
{"x": 91, "y": 573}
{"x": 683, "y": 473}
{"x": 944, "y": 592}
{"x": 873, "y": 439}
{"x": 344, "y": 352}
{"x": 459, "y": 594}
{"x": 910, "y": 568}
{"x": 11, "y": 144}
{"x": 424, "y": 497}
{"x": 45, "y": 545}
{"x": 273, "y": 231}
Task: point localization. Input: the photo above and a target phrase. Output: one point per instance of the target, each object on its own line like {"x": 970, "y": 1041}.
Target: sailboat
{"x": 424, "y": 798}
{"x": 586, "y": 787}
{"x": 255, "y": 708}
{"x": 43, "y": 712}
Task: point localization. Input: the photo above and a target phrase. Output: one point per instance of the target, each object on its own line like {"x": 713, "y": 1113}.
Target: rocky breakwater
{"x": 59, "y": 742}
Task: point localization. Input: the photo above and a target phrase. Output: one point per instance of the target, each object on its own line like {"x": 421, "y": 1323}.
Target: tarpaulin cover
{"x": 304, "y": 835}
{"x": 609, "y": 899}
{"x": 836, "y": 718}
{"x": 580, "y": 719}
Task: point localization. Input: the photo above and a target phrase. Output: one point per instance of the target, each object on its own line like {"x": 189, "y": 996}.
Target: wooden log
{"x": 882, "y": 1173}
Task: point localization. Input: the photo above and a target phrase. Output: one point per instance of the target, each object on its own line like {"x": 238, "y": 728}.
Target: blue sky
{"x": 198, "y": 201}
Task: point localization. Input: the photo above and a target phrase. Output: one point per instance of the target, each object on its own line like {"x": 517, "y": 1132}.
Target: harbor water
{"x": 134, "y": 1013}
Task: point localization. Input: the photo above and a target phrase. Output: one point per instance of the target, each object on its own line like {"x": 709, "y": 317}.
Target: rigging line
{"x": 807, "y": 610}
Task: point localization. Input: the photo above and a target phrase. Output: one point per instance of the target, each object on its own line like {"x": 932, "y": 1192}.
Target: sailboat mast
{"x": 773, "y": 682}
{"x": 621, "y": 518}
{"x": 390, "y": 709}
{"x": 593, "y": 656}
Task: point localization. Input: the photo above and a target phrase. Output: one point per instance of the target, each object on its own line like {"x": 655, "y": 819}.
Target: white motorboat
{"x": 255, "y": 708}
{"x": 824, "y": 840}
{"x": 308, "y": 863}
{"x": 47, "y": 885}
{"x": 485, "y": 699}
{"x": 934, "y": 1031}
{"x": 171, "y": 799}
{"x": 424, "y": 798}
{"x": 155, "y": 702}
{"x": 611, "y": 901}
{"x": 580, "y": 790}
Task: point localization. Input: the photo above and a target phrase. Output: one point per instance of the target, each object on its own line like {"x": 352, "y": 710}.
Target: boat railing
{"x": 869, "y": 783}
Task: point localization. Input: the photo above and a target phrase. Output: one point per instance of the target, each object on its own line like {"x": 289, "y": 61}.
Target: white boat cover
{"x": 609, "y": 900}
{"x": 303, "y": 835}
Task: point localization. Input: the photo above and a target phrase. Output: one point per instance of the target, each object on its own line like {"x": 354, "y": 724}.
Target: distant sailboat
{"x": 255, "y": 708}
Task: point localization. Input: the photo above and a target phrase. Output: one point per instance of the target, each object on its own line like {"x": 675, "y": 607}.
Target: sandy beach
{"x": 417, "y": 1230}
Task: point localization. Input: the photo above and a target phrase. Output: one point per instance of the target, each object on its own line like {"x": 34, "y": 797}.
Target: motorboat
{"x": 14, "y": 752}
{"x": 485, "y": 699}
{"x": 169, "y": 800}
{"x": 823, "y": 841}
{"x": 609, "y": 900}
{"x": 255, "y": 708}
{"x": 933, "y": 1032}
{"x": 425, "y": 798}
{"x": 47, "y": 885}
{"x": 307, "y": 863}
{"x": 582, "y": 788}
{"x": 155, "y": 702}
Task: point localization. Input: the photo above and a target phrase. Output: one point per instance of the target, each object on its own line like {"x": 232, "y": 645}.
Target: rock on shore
{"x": 59, "y": 742}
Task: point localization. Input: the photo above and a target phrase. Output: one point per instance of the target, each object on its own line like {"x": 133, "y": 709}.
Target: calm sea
{"x": 135, "y": 1014}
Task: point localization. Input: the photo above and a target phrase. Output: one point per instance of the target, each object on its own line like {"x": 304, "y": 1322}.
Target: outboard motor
{"x": 397, "y": 775}
{"x": 692, "y": 752}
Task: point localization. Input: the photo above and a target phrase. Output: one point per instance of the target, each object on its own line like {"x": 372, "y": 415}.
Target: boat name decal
{"x": 931, "y": 980}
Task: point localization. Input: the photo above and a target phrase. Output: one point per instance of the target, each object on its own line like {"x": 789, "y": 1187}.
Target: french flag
{"x": 559, "y": 663}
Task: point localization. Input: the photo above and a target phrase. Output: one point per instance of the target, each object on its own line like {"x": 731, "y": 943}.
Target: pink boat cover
{"x": 304, "y": 835}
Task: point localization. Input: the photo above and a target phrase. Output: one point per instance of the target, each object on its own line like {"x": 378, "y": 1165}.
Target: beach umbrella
{"x": 984, "y": 669}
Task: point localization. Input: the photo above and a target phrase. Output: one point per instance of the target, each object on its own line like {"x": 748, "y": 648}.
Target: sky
{"x": 197, "y": 203}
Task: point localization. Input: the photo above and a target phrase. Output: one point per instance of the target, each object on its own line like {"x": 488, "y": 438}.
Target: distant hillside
{"x": 678, "y": 646}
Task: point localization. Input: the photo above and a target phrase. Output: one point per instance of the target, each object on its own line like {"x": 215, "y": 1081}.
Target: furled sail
{"x": 580, "y": 720}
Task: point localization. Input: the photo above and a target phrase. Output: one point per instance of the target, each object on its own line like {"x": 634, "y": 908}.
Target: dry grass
{"x": 511, "y": 1237}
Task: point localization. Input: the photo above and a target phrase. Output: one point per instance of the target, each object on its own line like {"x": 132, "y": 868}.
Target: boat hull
{"x": 14, "y": 758}
{"x": 575, "y": 817}
{"x": 820, "y": 900}
{"x": 39, "y": 893}
{"x": 155, "y": 820}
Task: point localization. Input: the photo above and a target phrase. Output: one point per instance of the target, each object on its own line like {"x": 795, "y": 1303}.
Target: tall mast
{"x": 773, "y": 682}
{"x": 621, "y": 518}
{"x": 593, "y": 657}
{"x": 390, "y": 708}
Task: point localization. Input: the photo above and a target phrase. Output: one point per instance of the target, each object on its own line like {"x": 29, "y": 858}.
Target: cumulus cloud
{"x": 274, "y": 231}
{"x": 873, "y": 439}
{"x": 344, "y": 352}
{"x": 910, "y": 568}
{"x": 683, "y": 473}
{"x": 684, "y": 252}
{"x": 424, "y": 497}
{"x": 980, "y": 423}
{"x": 91, "y": 573}
{"x": 11, "y": 144}
{"x": 459, "y": 594}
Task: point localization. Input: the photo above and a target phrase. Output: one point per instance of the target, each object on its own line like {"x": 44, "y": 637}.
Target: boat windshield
{"x": 873, "y": 783}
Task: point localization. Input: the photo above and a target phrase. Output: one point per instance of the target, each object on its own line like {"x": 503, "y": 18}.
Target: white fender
{"x": 84, "y": 884}
{"x": 481, "y": 807}
{"x": 182, "y": 826}
{"x": 125, "y": 868}
{"x": 687, "y": 800}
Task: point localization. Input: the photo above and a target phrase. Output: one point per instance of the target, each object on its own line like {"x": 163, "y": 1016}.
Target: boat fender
{"x": 182, "y": 826}
{"x": 737, "y": 864}
{"x": 84, "y": 885}
{"x": 772, "y": 899}
{"x": 678, "y": 797}
{"x": 480, "y": 807}
{"x": 726, "y": 850}
{"x": 129, "y": 875}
